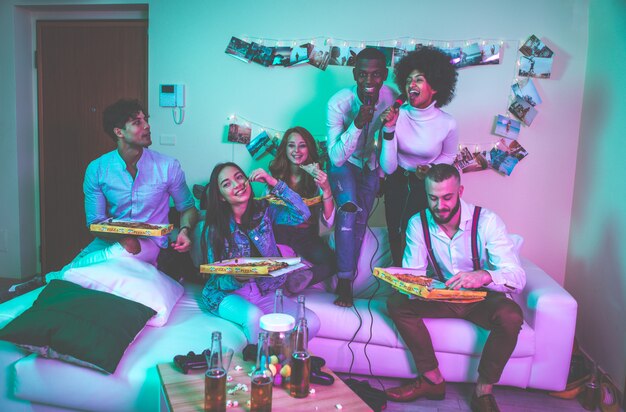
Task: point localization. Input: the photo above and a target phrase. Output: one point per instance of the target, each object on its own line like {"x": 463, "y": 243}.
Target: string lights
{"x": 406, "y": 43}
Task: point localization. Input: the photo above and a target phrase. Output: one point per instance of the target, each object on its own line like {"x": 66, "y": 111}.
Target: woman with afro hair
{"x": 415, "y": 136}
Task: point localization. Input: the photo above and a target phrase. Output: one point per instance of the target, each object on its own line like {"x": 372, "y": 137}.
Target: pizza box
{"x": 436, "y": 291}
{"x": 222, "y": 268}
{"x": 109, "y": 226}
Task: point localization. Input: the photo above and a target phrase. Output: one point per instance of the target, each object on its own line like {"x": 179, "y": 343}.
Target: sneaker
{"x": 485, "y": 403}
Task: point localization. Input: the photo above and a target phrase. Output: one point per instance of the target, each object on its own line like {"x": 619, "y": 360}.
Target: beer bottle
{"x": 215, "y": 377}
{"x": 300, "y": 361}
{"x": 262, "y": 379}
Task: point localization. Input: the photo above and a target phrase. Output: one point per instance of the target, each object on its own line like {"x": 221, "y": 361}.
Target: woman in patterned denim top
{"x": 237, "y": 225}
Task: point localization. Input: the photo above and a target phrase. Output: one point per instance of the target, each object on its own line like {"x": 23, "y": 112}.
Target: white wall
{"x": 186, "y": 45}
{"x": 596, "y": 265}
{"x": 187, "y": 42}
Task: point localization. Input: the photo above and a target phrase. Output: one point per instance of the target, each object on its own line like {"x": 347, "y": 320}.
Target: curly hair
{"x": 280, "y": 167}
{"x": 436, "y": 67}
{"x": 117, "y": 114}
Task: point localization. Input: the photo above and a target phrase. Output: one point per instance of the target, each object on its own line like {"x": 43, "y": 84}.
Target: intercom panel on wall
{"x": 172, "y": 95}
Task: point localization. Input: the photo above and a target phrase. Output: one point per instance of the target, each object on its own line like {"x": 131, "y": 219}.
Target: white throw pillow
{"x": 131, "y": 279}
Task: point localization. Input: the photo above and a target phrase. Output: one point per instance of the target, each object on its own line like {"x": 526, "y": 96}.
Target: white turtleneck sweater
{"x": 422, "y": 136}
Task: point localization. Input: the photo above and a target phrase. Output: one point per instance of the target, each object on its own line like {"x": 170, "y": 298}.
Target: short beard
{"x": 450, "y": 215}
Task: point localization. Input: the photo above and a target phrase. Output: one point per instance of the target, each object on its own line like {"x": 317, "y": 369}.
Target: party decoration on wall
{"x": 536, "y": 59}
{"x": 336, "y": 52}
{"x": 261, "y": 145}
{"x": 473, "y": 55}
{"x": 526, "y": 90}
{"x": 523, "y": 110}
{"x": 502, "y": 158}
{"x": 239, "y": 133}
{"x": 507, "y": 127}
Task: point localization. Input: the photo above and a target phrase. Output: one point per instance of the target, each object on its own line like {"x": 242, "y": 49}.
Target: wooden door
{"x": 83, "y": 66}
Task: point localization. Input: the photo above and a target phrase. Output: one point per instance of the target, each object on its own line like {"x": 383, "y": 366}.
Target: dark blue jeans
{"x": 354, "y": 190}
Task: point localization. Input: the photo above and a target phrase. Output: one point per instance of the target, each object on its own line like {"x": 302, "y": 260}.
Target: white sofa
{"x": 541, "y": 359}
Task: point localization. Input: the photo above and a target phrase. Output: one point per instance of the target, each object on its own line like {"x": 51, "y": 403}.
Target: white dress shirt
{"x": 495, "y": 249}
{"x": 345, "y": 140}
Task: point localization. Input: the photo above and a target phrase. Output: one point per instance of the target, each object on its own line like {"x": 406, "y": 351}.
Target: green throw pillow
{"x": 83, "y": 326}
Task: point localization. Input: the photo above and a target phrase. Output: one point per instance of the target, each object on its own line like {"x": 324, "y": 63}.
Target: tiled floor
{"x": 458, "y": 396}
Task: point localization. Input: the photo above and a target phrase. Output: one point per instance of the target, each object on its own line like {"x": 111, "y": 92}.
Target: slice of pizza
{"x": 271, "y": 265}
{"x": 415, "y": 280}
{"x": 311, "y": 168}
{"x": 132, "y": 225}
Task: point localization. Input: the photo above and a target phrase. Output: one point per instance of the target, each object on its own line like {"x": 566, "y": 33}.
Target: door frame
{"x": 27, "y": 114}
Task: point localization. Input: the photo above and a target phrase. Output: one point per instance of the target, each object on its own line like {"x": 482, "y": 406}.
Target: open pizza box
{"x": 436, "y": 291}
{"x": 131, "y": 228}
{"x": 254, "y": 266}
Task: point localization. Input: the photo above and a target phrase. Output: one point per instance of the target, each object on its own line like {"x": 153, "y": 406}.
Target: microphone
{"x": 399, "y": 101}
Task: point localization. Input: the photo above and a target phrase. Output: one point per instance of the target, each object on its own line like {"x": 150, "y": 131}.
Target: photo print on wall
{"x": 299, "y": 55}
{"x": 260, "y": 54}
{"x": 504, "y": 157}
{"x": 536, "y": 59}
{"x": 318, "y": 55}
{"x": 523, "y": 110}
{"x": 238, "y": 133}
{"x": 525, "y": 89}
{"x": 282, "y": 56}
{"x": 466, "y": 161}
{"x": 507, "y": 127}
{"x": 238, "y": 49}
{"x": 490, "y": 53}
{"x": 339, "y": 56}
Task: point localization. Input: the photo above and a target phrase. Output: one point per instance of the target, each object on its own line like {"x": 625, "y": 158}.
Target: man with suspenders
{"x": 466, "y": 247}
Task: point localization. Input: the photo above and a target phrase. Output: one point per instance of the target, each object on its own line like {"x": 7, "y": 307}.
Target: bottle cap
{"x": 277, "y": 322}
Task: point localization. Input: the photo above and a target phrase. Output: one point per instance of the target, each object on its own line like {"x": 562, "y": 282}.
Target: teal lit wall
{"x": 596, "y": 264}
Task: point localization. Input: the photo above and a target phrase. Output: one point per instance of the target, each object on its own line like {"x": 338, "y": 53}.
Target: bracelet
{"x": 327, "y": 198}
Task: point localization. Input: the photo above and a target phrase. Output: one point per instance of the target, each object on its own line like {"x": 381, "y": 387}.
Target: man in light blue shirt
{"x": 133, "y": 183}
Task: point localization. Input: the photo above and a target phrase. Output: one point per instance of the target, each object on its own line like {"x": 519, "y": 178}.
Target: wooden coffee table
{"x": 180, "y": 392}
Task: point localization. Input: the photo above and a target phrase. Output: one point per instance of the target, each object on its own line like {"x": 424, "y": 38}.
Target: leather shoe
{"x": 417, "y": 389}
{"x": 609, "y": 400}
{"x": 485, "y": 403}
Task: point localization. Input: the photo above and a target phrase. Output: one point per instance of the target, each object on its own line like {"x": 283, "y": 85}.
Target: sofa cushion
{"x": 131, "y": 279}
{"x": 373, "y": 326}
{"x": 78, "y": 325}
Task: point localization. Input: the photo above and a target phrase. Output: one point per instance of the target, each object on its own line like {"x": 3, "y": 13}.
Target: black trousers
{"x": 405, "y": 195}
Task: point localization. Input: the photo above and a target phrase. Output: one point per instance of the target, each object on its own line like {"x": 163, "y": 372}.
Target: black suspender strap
{"x": 475, "y": 259}
{"x": 429, "y": 246}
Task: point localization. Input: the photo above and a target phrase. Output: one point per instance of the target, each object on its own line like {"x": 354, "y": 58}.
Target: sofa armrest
{"x": 551, "y": 311}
